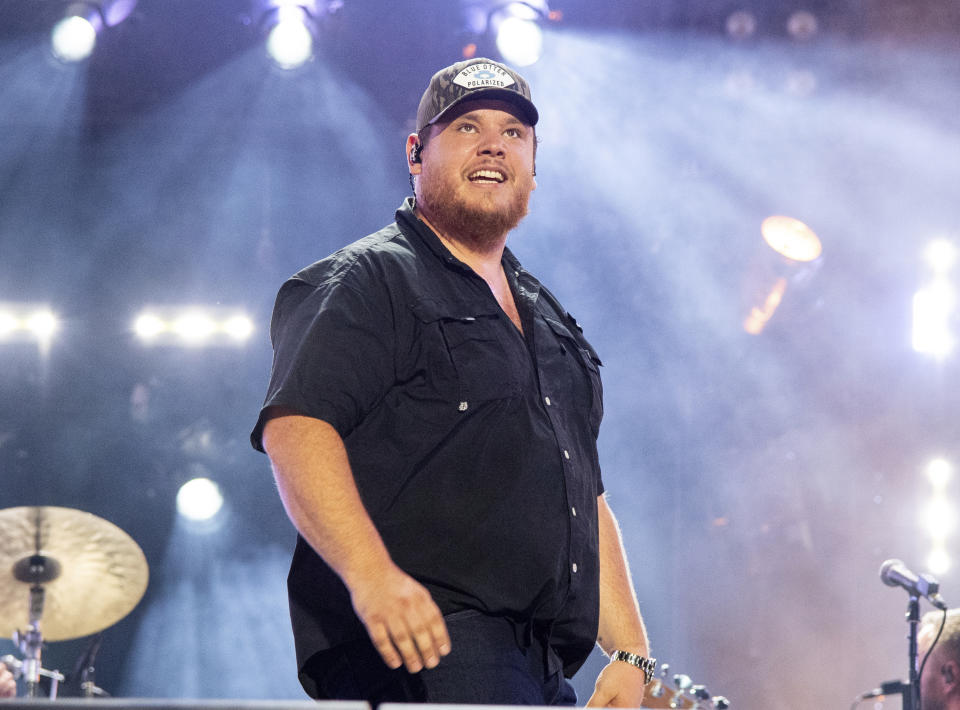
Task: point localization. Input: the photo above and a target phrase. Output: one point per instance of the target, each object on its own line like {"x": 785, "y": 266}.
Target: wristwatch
{"x": 647, "y": 665}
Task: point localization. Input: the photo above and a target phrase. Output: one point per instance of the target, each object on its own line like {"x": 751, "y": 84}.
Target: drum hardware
{"x": 64, "y": 574}
{"x": 15, "y": 666}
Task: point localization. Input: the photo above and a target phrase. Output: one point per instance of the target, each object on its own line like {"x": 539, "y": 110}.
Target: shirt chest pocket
{"x": 471, "y": 352}
{"x": 580, "y": 367}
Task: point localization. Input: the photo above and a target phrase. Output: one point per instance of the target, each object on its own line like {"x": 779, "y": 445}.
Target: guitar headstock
{"x": 679, "y": 691}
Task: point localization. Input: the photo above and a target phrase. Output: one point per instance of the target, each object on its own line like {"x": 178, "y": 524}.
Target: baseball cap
{"x": 474, "y": 79}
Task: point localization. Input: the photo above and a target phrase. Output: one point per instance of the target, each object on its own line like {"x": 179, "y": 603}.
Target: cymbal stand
{"x": 30, "y": 644}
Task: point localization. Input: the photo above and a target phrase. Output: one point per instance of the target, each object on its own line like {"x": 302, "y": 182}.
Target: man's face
{"x": 477, "y": 173}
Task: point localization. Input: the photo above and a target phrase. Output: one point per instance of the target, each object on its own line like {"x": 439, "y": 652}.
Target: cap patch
{"x": 481, "y": 75}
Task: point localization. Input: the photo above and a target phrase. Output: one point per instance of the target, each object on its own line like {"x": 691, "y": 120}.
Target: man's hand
{"x": 8, "y": 686}
{"x": 403, "y": 621}
{"x": 619, "y": 685}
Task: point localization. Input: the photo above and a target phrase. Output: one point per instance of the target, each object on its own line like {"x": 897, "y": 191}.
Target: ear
{"x": 951, "y": 673}
{"x": 412, "y": 141}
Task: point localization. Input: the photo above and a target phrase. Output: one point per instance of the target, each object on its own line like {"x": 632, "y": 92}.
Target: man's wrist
{"x": 647, "y": 665}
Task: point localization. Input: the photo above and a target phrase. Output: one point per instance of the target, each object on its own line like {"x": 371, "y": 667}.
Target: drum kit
{"x": 64, "y": 574}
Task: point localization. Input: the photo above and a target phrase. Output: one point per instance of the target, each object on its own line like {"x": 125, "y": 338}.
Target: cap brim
{"x": 526, "y": 106}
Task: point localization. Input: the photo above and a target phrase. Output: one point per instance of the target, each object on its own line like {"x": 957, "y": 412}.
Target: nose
{"x": 491, "y": 143}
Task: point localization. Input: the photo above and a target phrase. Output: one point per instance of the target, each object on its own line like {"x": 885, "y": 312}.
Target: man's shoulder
{"x": 370, "y": 256}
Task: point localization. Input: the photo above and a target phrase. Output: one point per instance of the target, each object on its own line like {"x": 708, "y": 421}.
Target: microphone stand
{"x": 911, "y": 690}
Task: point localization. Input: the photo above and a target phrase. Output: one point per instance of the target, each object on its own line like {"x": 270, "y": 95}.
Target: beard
{"x": 480, "y": 224}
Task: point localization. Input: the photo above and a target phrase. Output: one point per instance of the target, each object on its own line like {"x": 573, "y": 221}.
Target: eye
{"x": 514, "y": 132}
{"x": 467, "y": 128}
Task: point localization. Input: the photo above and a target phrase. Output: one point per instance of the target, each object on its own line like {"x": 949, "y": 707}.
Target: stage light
{"x": 940, "y": 255}
{"x": 939, "y": 473}
{"x": 290, "y": 40}
{"x": 794, "y": 259}
{"x": 519, "y": 38}
{"x": 192, "y": 326}
{"x": 514, "y": 28}
{"x": 238, "y": 327}
{"x": 802, "y": 25}
{"x": 74, "y": 37}
{"x": 8, "y": 324}
{"x": 148, "y": 326}
{"x": 938, "y": 561}
{"x": 741, "y": 24}
{"x": 27, "y": 323}
{"x": 199, "y": 499}
{"x": 791, "y": 238}
{"x": 939, "y": 519}
{"x": 932, "y": 313}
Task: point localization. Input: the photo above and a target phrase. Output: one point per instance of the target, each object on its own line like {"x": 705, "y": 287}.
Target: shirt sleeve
{"x": 332, "y": 352}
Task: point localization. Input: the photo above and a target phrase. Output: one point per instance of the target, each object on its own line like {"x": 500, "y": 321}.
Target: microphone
{"x": 894, "y": 573}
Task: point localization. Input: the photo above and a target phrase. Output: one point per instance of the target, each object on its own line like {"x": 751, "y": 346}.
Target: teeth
{"x": 487, "y": 175}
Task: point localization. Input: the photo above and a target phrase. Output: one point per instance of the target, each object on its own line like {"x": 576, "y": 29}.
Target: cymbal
{"x": 93, "y": 574}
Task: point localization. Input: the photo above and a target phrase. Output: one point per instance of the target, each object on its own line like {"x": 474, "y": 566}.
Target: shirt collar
{"x": 406, "y": 216}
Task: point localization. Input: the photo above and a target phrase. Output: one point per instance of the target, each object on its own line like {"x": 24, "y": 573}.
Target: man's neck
{"x": 485, "y": 262}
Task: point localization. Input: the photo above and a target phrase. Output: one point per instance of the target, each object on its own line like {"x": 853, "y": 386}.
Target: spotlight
{"x": 933, "y": 308}
{"x": 290, "y": 40}
{"x": 74, "y": 37}
{"x": 199, "y": 499}
{"x": 514, "y": 27}
{"x": 802, "y": 25}
{"x": 940, "y": 255}
{"x": 791, "y": 238}
{"x": 25, "y": 322}
{"x": 939, "y": 473}
{"x": 518, "y": 35}
{"x": 938, "y": 561}
{"x": 741, "y": 24}
{"x": 940, "y": 518}
{"x": 797, "y": 250}
{"x": 192, "y": 326}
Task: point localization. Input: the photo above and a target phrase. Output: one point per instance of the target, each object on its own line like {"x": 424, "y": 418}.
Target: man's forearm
{"x": 320, "y": 495}
{"x": 621, "y": 624}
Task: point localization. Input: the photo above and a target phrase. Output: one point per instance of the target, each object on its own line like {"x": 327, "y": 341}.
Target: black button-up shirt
{"x": 473, "y": 446}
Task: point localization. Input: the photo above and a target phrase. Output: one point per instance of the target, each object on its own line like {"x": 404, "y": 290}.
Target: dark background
{"x": 760, "y": 480}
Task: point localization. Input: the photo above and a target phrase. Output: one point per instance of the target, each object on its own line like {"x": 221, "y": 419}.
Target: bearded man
{"x": 432, "y": 419}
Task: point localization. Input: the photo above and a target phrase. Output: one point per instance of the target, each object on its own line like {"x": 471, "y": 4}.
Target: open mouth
{"x": 488, "y": 177}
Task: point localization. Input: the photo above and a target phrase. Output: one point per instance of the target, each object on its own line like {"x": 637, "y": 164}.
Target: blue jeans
{"x": 486, "y": 665}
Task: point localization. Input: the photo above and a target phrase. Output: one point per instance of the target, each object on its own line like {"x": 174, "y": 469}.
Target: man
{"x": 431, "y": 421}
{"x": 8, "y": 685}
{"x": 940, "y": 682}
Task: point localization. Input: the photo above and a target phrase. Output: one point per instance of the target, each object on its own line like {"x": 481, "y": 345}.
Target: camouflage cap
{"x": 474, "y": 79}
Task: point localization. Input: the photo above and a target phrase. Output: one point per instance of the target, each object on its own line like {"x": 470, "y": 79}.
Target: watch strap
{"x": 647, "y": 665}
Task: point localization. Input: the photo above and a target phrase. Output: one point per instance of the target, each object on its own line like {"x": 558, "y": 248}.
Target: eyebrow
{"x": 475, "y": 116}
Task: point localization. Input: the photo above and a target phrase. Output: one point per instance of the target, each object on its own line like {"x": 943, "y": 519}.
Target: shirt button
{"x": 463, "y": 406}
{"x": 547, "y": 400}
{"x": 566, "y": 454}
{"x": 574, "y": 511}
{"x": 574, "y": 567}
